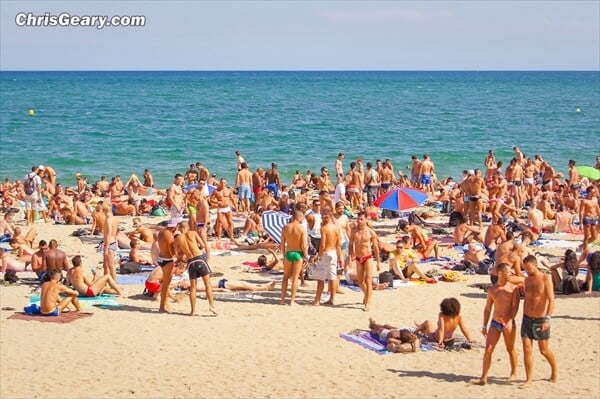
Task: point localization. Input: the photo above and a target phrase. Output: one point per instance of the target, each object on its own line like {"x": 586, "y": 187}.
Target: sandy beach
{"x": 257, "y": 348}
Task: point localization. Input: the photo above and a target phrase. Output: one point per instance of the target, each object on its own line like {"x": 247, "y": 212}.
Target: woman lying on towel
{"x": 396, "y": 340}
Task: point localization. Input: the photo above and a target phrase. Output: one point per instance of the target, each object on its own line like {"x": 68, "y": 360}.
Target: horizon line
{"x": 299, "y": 70}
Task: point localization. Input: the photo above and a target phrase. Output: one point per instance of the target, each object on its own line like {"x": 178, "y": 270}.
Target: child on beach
{"x": 448, "y": 319}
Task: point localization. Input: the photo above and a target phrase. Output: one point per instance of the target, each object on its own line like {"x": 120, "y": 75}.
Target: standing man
{"x": 426, "y": 171}
{"x": 109, "y": 234}
{"x": 330, "y": 257}
{"x": 222, "y": 197}
{"x": 363, "y": 246}
{"x": 537, "y": 311}
{"x": 273, "y": 180}
{"x": 589, "y": 214}
{"x": 354, "y": 187}
{"x": 239, "y": 159}
{"x": 415, "y": 171}
{"x": 166, "y": 254}
{"x": 257, "y": 185}
{"x": 504, "y": 298}
{"x": 175, "y": 197}
{"x": 32, "y": 185}
{"x": 190, "y": 247}
{"x": 294, "y": 247}
{"x": 244, "y": 184}
{"x": 339, "y": 168}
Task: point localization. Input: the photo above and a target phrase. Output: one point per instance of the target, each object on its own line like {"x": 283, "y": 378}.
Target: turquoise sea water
{"x": 122, "y": 122}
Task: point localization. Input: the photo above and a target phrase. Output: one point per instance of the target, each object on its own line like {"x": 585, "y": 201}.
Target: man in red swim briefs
{"x": 363, "y": 246}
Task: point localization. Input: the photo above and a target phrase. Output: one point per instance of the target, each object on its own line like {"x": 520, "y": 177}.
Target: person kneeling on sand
{"x": 94, "y": 287}
{"x": 51, "y": 303}
{"x": 448, "y": 319}
{"x": 155, "y": 279}
{"x": 396, "y": 340}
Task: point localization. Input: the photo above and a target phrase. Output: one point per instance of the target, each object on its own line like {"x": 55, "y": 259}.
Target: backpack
{"x": 386, "y": 277}
{"x": 570, "y": 285}
{"x": 29, "y": 185}
{"x": 130, "y": 267}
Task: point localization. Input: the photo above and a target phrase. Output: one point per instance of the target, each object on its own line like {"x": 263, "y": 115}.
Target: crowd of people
{"x": 330, "y": 228}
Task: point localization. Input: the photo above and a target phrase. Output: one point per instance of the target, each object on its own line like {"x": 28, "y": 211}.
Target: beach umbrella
{"x": 273, "y": 222}
{"x": 401, "y": 199}
{"x": 589, "y": 172}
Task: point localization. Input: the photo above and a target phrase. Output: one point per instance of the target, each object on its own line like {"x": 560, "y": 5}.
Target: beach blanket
{"x": 545, "y": 243}
{"x": 66, "y": 317}
{"x": 132, "y": 279}
{"x": 100, "y": 301}
{"x": 252, "y": 265}
{"x": 364, "y": 339}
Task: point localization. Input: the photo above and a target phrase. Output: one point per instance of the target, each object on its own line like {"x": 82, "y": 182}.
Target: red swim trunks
{"x": 90, "y": 292}
{"x": 152, "y": 287}
{"x": 363, "y": 259}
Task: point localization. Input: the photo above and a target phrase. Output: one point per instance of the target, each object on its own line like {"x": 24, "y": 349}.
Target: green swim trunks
{"x": 294, "y": 256}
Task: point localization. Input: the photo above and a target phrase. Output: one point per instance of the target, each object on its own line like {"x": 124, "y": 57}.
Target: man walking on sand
{"x": 537, "y": 309}
{"x": 190, "y": 247}
{"x": 504, "y": 298}
{"x": 363, "y": 246}
{"x": 294, "y": 245}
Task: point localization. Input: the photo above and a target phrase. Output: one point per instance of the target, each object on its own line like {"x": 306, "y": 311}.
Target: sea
{"x": 122, "y": 122}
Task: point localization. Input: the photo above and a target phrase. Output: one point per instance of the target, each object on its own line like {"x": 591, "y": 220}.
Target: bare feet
{"x": 371, "y": 323}
{"x": 314, "y": 303}
{"x": 553, "y": 378}
{"x": 366, "y": 308}
{"x": 193, "y": 314}
{"x": 478, "y": 381}
{"x": 340, "y": 291}
{"x": 165, "y": 310}
{"x": 212, "y": 310}
{"x": 512, "y": 377}
{"x": 329, "y": 302}
{"x": 270, "y": 286}
{"x": 525, "y": 385}
{"x": 282, "y": 302}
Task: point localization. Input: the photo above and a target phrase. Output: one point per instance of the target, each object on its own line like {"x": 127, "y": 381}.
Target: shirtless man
{"x": 504, "y": 298}
{"x": 490, "y": 165}
{"x": 529, "y": 174}
{"x": 257, "y": 185}
{"x": 294, "y": 243}
{"x": 244, "y": 184}
{"x": 386, "y": 176}
{"x": 175, "y": 197}
{"x": 109, "y": 235}
{"x": 136, "y": 256}
{"x": 7, "y": 229}
{"x": 51, "y": 303}
{"x": 426, "y": 171}
{"x": 363, "y": 246}
{"x": 574, "y": 179}
{"x": 189, "y": 247}
{"x": 273, "y": 179}
{"x": 54, "y": 258}
{"x": 148, "y": 179}
{"x": 475, "y": 192}
{"x": 547, "y": 175}
{"x": 371, "y": 181}
{"x": 330, "y": 256}
{"x": 94, "y": 287}
{"x": 223, "y": 199}
{"x": 202, "y": 212}
{"x": 415, "y": 171}
{"x": 339, "y": 167}
{"x": 494, "y": 234}
{"x": 463, "y": 233}
{"x": 140, "y": 231}
{"x": 165, "y": 259}
{"x": 354, "y": 188}
{"x": 507, "y": 252}
{"x": 239, "y": 160}
{"x": 98, "y": 219}
{"x": 421, "y": 241}
{"x": 125, "y": 208}
{"x": 514, "y": 176}
{"x": 535, "y": 218}
{"x": 589, "y": 214}
{"x": 37, "y": 259}
{"x": 102, "y": 186}
{"x": 537, "y": 310}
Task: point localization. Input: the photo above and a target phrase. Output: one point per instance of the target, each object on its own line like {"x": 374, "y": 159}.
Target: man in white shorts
{"x": 330, "y": 256}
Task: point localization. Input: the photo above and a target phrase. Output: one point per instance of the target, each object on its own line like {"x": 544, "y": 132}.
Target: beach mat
{"x": 100, "y": 301}
{"x": 364, "y": 339}
{"x": 66, "y": 317}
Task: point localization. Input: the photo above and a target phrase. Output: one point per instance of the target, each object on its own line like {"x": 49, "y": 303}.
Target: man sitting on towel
{"x": 51, "y": 303}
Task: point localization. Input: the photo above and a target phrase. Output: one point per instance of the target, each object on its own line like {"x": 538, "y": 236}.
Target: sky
{"x": 308, "y": 35}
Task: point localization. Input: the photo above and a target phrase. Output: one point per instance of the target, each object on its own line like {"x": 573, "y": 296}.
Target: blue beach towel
{"x": 365, "y": 340}
{"x": 101, "y": 300}
{"x": 132, "y": 279}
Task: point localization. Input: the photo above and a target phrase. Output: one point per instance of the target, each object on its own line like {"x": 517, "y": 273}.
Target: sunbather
{"x": 51, "y": 303}
{"x": 396, "y": 340}
{"x": 93, "y": 287}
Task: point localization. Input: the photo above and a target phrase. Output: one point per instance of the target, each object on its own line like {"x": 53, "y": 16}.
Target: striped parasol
{"x": 273, "y": 222}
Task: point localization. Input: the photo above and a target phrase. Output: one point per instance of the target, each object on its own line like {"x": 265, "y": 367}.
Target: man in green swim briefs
{"x": 295, "y": 246}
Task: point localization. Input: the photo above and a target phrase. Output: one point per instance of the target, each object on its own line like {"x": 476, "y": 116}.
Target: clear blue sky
{"x": 309, "y": 35}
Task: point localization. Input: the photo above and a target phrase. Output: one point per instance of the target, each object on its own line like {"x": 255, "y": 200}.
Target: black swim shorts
{"x": 197, "y": 267}
{"x": 532, "y": 328}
